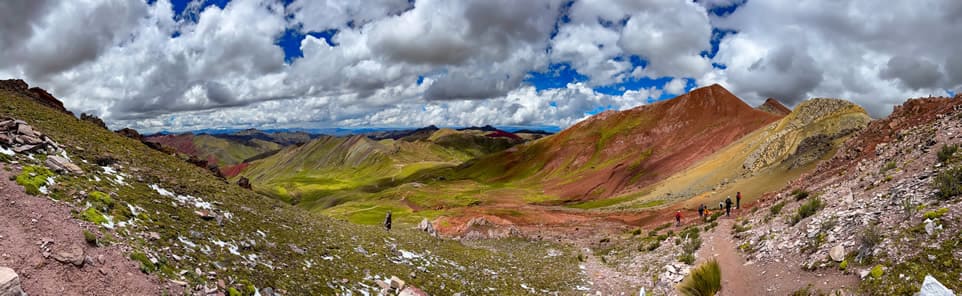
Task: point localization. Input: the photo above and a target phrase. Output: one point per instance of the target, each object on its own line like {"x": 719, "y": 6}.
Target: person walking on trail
{"x": 701, "y": 211}
{"x": 387, "y": 221}
{"x": 678, "y": 218}
{"x": 721, "y": 205}
{"x": 738, "y": 200}
{"x": 728, "y": 206}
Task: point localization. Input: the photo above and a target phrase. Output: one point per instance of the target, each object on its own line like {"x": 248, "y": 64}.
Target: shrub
{"x": 704, "y": 280}
{"x": 100, "y": 200}
{"x": 800, "y": 194}
{"x": 146, "y": 266}
{"x": 653, "y": 245}
{"x": 777, "y": 208}
{"x": 871, "y": 236}
{"x": 946, "y": 152}
{"x": 948, "y": 183}
{"x": 807, "y": 209}
{"x": 93, "y": 216}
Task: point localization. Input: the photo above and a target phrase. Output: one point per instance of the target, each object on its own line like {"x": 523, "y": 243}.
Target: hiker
{"x": 738, "y": 200}
{"x": 678, "y": 218}
{"x": 721, "y": 205}
{"x": 701, "y": 211}
{"x": 387, "y": 221}
{"x": 728, "y": 206}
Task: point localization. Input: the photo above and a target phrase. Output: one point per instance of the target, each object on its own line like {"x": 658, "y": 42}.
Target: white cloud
{"x": 118, "y": 58}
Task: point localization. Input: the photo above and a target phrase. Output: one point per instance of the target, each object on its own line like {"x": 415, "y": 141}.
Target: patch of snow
{"x": 109, "y": 170}
{"x": 50, "y": 181}
{"x": 186, "y": 242}
{"x": 110, "y": 222}
{"x": 261, "y": 233}
{"x": 202, "y": 204}
{"x": 30, "y": 156}
{"x": 161, "y": 191}
{"x": 409, "y": 255}
{"x": 328, "y": 257}
{"x": 44, "y": 190}
{"x": 96, "y": 179}
{"x": 133, "y": 209}
{"x": 6, "y": 151}
{"x": 63, "y": 153}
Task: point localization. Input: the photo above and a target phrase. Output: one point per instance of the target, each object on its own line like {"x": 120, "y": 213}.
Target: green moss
{"x": 877, "y": 271}
{"x": 843, "y": 265}
{"x": 94, "y": 216}
{"x": 935, "y": 214}
{"x": 233, "y": 292}
{"x": 32, "y": 178}
{"x": 100, "y": 200}
{"x": 146, "y": 266}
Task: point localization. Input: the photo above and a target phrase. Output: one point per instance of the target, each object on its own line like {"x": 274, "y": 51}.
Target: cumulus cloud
{"x": 410, "y": 63}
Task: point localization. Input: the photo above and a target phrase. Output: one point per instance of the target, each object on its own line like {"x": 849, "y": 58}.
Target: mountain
{"x": 773, "y": 106}
{"x": 187, "y": 230}
{"x": 309, "y": 174}
{"x": 216, "y": 149}
{"x": 619, "y": 151}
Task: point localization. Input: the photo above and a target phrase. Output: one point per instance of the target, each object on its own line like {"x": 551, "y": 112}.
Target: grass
{"x": 704, "y": 280}
{"x": 891, "y": 165}
{"x": 777, "y": 208}
{"x": 948, "y": 183}
{"x": 806, "y": 210}
{"x": 600, "y": 203}
{"x": 800, "y": 194}
{"x": 90, "y": 238}
{"x": 516, "y": 262}
{"x": 935, "y": 214}
{"x": 945, "y": 154}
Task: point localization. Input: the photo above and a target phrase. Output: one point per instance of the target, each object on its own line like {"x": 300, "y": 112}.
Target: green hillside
{"x": 253, "y": 241}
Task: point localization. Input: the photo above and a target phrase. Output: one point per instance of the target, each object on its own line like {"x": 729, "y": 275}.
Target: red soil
{"x": 667, "y": 137}
{"x": 502, "y": 134}
{"x": 28, "y": 220}
{"x": 233, "y": 170}
{"x": 183, "y": 143}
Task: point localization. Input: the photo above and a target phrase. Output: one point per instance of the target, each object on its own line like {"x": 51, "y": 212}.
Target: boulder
{"x": 73, "y": 254}
{"x": 426, "y": 226}
{"x": 93, "y": 119}
{"x": 837, "y": 253}
{"x": 60, "y": 164}
{"x": 932, "y": 287}
{"x": 245, "y": 183}
{"x": 10, "y": 283}
{"x": 412, "y": 291}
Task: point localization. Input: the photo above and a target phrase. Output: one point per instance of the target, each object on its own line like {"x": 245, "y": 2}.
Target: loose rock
{"x": 10, "y": 283}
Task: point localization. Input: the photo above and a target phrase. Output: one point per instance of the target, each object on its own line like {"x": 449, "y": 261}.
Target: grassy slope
{"x": 507, "y": 264}
{"x": 230, "y": 152}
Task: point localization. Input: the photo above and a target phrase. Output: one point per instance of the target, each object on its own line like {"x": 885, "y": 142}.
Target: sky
{"x": 187, "y": 65}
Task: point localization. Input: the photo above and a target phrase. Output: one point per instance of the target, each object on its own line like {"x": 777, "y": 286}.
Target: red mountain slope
{"x": 617, "y": 152}
{"x": 773, "y": 106}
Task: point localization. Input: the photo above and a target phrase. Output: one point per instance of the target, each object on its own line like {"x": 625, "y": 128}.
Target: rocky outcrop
{"x": 39, "y": 95}
{"x": 93, "y": 119}
{"x": 426, "y": 226}
{"x": 20, "y": 137}
{"x": 773, "y": 106}
{"x": 131, "y": 133}
{"x": 807, "y": 133}
{"x": 62, "y": 165}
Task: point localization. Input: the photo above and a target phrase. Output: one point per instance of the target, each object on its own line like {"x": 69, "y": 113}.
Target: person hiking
{"x": 387, "y": 221}
{"x": 721, "y": 205}
{"x": 728, "y": 206}
{"x": 678, "y": 218}
{"x": 738, "y": 200}
{"x": 701, "y": 211}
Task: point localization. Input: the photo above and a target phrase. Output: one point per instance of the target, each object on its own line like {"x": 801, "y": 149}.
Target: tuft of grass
{"x": 32, "y": 178}
{"x": 145, "y": 265}
{"x": 947, "y": 151}
{"x": 843, "y": 265}
{"x": 233, "y": 292}
{"x": 90, "y": 238}
{"x": 887, "y": 167}
{"x": 948, "y": 183}
{"x": 800, "y": 194}
{"x": 777, "y": 208}
{"x": 808, "y": 290}
{"x": 100, "y": 200}
{"x": 704, "y": 280}
{"x": 806, "y": 210}
{"x": 871, "y": 237}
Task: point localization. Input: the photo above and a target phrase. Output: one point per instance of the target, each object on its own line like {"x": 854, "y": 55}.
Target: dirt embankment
{"x": 37, "y": 230}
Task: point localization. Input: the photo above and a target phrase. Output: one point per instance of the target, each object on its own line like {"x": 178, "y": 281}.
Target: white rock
{"x": 932, "y": 287}
{"x": 10, "y": 283}
{"x": 837, "y": 253}
{"x": 929, "y": 226}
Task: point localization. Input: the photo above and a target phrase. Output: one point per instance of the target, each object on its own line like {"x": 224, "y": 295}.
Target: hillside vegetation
{"x": 232, "y": 234}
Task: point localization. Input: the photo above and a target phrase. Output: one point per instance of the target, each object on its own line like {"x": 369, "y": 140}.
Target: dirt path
{"x": 748, "y": 278}
{"x": 26, "y": 222}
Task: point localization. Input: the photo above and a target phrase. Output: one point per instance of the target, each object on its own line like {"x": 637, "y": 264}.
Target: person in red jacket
{"x": 678, "y": 218}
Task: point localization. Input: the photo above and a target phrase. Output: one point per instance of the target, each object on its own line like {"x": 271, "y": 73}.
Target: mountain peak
{"x": 773, "y": 106}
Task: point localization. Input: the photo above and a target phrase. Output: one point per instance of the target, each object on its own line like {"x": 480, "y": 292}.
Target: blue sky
{"x": 189, "y": 65}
